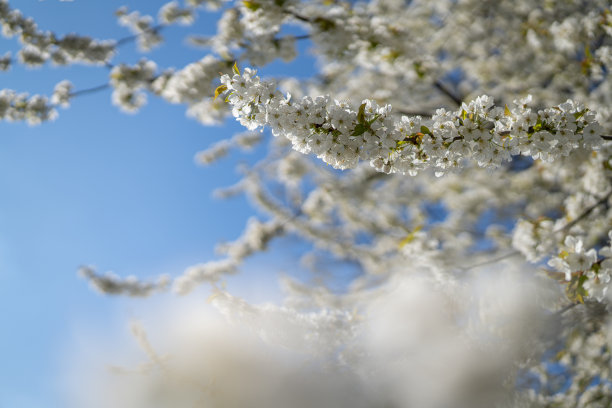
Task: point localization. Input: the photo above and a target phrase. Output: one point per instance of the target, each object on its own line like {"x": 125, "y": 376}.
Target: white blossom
{"x": 62, "y": 94}
{"x": 401, "y": 146}
{"x": 408, "y": 292}
{"x": 171, "y": 13}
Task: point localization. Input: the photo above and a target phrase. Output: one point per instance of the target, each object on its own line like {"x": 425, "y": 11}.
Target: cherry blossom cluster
{"x": 130, "y": 82}
{"x": 42, "y": 46}
{"x": 109, "y": 283}
{"x": 534, "y": 239}
{"x": 229, "y": 33}
{"x": 265, "y": 49}
{"x": 262, "y": 17}
{"x": 211, "y": 5}
{"x": 209, "y": 272}
{"x": 255, "y": 238}
{"x": 142, "y": 26}
{"x": 33, "y": 109}
{"x": 341, "y": 135}
{"x": 244, "y": 140}
{"x": 193, "y": 85}
{"x": 233, "y": 33}
{"x": 362, "y": 352}
{"x": 171, "y": 13}
{"x": 590, "y": 268}
{"x": 62, "y": 94}
{"x": 585, "y": 356}
{"x": 548, "y": 168}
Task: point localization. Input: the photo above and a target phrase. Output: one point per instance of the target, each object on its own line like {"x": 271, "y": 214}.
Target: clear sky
{"x": 100, "y": 187}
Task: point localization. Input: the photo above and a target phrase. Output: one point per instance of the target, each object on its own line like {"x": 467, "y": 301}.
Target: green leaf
{"x": 425, "y": 130}
{"x": 374, "y": 119}
{"x": 359, "y": 130}
{"x": 580, "y": 114}
{"x": 391, "y": 56}
{"x": 538, "y": 126}
{"x": 235, "y": 69}
{"x": 507, "y": 111}
{"x": 251, "y": 5}
{"x": 575, "y": 290}
{"x": 361, "y": 114}
{"x": 219, "y": 90}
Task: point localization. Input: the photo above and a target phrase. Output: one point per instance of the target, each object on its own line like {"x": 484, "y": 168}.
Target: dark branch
{"x": 566, "y": 308}
{"x": 490, "y": 261}
{"x": 90, "y": 90}
{"x": 585, "y": 213}
{"x": 125, "y": 40}
{"x": 301, "y": 37}
{"x": 566, "y": 227}
{"x": 298, "y": 16}
{"x": 444, "y": 89}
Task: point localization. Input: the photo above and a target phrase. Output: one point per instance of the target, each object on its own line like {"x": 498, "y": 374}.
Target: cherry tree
{"x": 475, "y": 198}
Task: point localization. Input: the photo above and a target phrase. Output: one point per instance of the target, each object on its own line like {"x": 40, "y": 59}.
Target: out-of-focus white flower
{"x": 62, "y": 94}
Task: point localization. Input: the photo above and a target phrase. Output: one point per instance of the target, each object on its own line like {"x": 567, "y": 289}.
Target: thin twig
{"x": 90, "y": 90}
{"x": 125, "y": 40}
{"x": 298, "y": 16}
{"x": 490, "y": 261}
{"x": 122, "y": 41}
{"x": 582, "y": 216}
{"x": 566, "y": 308}
{"x": 100, "y": 88}
{"x": 585, "y": 213}
{"x": 566, "y": 227}
{"x": 444, "y": 89}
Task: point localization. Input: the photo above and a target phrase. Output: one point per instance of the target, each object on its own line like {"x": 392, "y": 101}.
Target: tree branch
{"x": 298, "y": 16}
{"x": 489, "y": 261}
{"x": 125, "y": 40}
{"x": 566, "y": 227}
{"x": 585, "y": 213}
{"x": 90, "y": 90}
{"x": 566, "y": 308}
{"x": 444, "y": 89}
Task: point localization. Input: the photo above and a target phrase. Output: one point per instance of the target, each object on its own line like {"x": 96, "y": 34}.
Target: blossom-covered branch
{"x": 342, "y": 135}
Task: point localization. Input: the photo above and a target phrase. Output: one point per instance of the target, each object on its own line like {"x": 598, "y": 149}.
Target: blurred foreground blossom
{"x": 415, "y": 341}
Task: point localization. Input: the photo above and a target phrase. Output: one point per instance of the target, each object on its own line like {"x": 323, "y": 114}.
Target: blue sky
{"x": 100, "y": 187}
